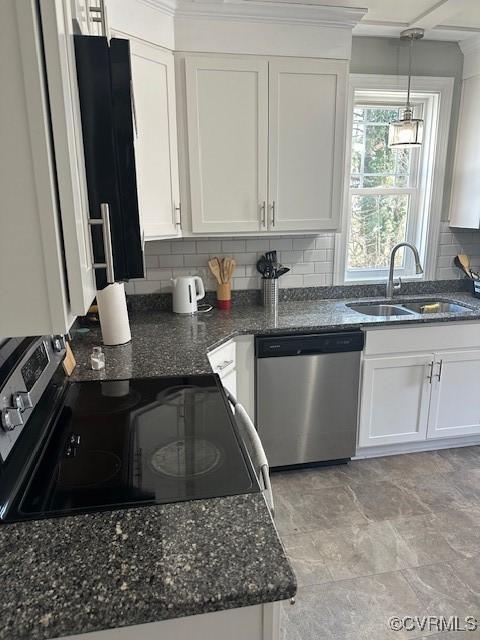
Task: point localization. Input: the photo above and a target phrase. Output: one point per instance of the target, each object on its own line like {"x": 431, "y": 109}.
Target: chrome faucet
{"x": 391, "y": 287}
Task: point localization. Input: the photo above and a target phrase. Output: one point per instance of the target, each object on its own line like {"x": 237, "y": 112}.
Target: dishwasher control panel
{"x": 298, "y": 345}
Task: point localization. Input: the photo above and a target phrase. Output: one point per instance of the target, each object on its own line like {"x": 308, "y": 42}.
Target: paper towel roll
{"x": 112, "y": 310}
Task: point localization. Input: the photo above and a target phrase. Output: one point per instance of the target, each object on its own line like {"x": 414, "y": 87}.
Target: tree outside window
{"x": 382, "y": 190}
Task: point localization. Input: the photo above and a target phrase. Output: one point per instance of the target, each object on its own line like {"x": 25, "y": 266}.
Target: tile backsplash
{"x": 453, "y": 242}
{"x": 309, "y": 257}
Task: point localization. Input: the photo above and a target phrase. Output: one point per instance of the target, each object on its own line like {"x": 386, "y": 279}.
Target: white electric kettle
{"x": 187, "y": 290}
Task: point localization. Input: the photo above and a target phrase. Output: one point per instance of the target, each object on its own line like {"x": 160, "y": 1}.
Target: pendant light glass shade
{"x": 408, "y": 131}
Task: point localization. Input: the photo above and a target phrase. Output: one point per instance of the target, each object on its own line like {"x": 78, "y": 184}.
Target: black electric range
{"x": 109, "y": 444}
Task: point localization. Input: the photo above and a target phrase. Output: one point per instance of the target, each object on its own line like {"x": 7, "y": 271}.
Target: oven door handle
{"x": 256, "y": 450}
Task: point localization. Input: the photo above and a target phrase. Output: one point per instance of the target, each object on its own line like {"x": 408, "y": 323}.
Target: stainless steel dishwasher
{"x": 307, "y": 396}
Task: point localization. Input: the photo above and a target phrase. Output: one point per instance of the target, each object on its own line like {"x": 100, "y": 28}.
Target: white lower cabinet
{"x": 223, "y": 361}
{"x": 234, "y": 362}
{"x": 455, "y": 399}
{"x": 419, "y": 396}
{"x": 257, "y": 622}
{"x": 394, "y": 400}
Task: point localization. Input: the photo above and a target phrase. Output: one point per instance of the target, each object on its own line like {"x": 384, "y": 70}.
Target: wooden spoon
{"x": 214, "y": 265}
{"x": 464, "y": 260}
{"x": 231, "y": 268}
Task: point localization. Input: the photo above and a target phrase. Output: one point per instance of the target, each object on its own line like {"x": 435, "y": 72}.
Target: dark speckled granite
{"x": 110, "y": 569}
{"x": 164, "y": 343}
{"x": 103, "y": 570}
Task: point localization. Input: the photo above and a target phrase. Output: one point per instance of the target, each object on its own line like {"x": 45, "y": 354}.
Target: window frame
{"x": 435, "y": 95}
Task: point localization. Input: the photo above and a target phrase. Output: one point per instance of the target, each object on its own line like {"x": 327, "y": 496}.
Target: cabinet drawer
{"x": 223, "y": 359}
{"x": 422, "y": 338}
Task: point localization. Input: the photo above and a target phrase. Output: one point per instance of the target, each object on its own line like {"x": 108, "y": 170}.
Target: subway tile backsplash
{"x": 310, "y": 259}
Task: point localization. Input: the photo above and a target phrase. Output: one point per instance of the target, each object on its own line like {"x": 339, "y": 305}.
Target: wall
{"x": 309, "y": 257}
{"x": 430, "y": 58}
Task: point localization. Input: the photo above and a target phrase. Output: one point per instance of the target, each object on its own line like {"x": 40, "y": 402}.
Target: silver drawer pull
{"x": 224, "y": 365}
{"x": 104, "y": 221}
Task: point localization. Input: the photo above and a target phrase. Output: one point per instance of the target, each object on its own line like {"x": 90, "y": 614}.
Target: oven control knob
{"x": 11, "y": 418}
{"x": 22, "y": 400}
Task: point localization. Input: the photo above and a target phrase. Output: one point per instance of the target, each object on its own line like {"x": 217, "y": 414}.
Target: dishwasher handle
{"x": 255, "y": 448}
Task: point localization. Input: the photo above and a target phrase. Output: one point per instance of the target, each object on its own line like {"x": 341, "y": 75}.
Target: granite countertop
{"x": 67, "y": 576}
{"x": 96, "y": 571}
{"x": 164, "y": 343}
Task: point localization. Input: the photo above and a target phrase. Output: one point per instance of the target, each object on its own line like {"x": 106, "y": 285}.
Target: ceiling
{"x": 453, "y": 20}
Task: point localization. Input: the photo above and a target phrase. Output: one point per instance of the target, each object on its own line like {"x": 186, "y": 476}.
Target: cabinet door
{"x": 395, "y": 398}
{"x": 307, "y": 101}
{"x": 455, "y": 404}
{"x": 46, "y": 275}
{"x": 465, "y": 202}
{"x": 58, "y": 30}
{"x": 227, "y": 141}
{"x": 156, "y": 139}
{"x": 223, "y": 361}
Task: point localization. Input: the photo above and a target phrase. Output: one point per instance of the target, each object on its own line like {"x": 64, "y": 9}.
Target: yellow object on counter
{"x": 431, "y": 308}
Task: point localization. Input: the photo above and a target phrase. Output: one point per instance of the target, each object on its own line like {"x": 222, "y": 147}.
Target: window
{"x": 383, "y": 184}
{"x": 390, "y": 195}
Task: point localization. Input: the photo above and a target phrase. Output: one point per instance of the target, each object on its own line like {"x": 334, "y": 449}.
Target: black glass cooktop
{"x": 141, "y": 441}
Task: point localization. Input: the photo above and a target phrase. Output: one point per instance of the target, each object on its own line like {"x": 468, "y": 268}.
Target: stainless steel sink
{"x": 435, "y": 306}
{"x": 374, "y": 309}
{"x": 422, "y": 307}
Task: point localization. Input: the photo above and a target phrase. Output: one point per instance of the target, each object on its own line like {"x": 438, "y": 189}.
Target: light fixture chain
{"x": 409, "y": 72}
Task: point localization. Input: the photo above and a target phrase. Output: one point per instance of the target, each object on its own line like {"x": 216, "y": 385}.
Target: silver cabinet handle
{"x": 178, "y": 212}
{"x": 224, "y": 365}
{"x": 430, "y": 374}
{"x": 439, "y": 373}
{"x": 272, "y": 206}
{"x": 263, "y": 220}
{"x": 104, "y": 221}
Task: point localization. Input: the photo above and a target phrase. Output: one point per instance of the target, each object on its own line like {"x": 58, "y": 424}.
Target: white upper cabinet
{"x": 227, "y": 115}
{"x": 57, "y": 23}
{"x": 465, "y": 201}
{"x": 306, "y": 141}
{"x": 156, "y": 139}
{"x": 46, "y": 275}
{"x": 249, "y": 118}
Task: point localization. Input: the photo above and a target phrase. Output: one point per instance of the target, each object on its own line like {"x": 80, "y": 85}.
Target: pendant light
{"x": 408, "y": 131}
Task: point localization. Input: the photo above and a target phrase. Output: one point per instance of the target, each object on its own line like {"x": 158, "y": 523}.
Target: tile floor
{"x": 398, "y": 535}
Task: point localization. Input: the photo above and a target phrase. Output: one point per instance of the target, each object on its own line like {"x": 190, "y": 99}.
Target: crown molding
{"x": 471, "y": 56}
{"x": 471, "y": 45}
{"x": 391, "y": 29}
{"x": 261, "y": 11}
{"x": 167, "y": 7}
